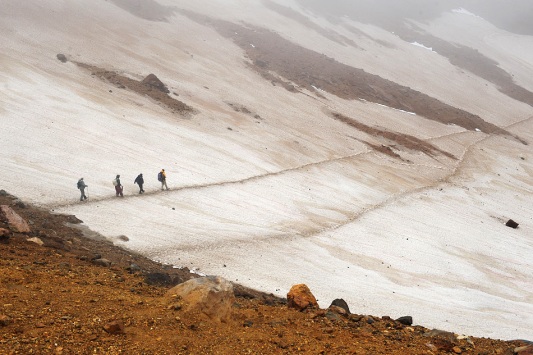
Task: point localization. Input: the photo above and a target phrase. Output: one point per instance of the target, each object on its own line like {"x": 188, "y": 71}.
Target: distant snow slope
{"x": 265, "y": 181}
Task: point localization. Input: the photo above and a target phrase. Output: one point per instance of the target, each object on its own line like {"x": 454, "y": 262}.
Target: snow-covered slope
{"x": 267, "y": 187}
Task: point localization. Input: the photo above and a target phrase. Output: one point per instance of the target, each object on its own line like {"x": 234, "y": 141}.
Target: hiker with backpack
{"x": 118, "y": 186}
{"x": 162, "y": 176}
{"x": 139, "y": 181}
{"x": 81, "y": 186}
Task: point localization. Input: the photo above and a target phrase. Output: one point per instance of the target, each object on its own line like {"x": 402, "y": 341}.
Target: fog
{"x": 513, "y": 16}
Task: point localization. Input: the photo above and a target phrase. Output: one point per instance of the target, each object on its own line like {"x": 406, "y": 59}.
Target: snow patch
{"x": 465, "y": 12}
{"x": 397, "y": 109}
{"x": 422, "y": 46}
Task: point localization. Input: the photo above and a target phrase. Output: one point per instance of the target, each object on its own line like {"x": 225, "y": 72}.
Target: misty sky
{"x": 512, "y": 15}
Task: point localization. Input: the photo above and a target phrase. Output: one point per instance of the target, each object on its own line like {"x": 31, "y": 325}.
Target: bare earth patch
{"x": 394, "y": 139}
{"x": 150, "y": 86}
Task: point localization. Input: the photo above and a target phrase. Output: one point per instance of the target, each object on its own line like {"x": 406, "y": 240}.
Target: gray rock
{"x": 405, "y": 320}
{"x": 158, "y": 279}
{"x": 133, "y": 268}
{"x": 62, "y": 58}
{"x": 102, "y": 262}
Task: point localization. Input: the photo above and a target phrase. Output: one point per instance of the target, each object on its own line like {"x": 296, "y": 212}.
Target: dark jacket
{"x": 139, "y": 180}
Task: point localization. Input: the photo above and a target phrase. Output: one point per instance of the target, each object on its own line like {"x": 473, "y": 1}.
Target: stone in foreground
{"x": 300, "y": 297}
{"x": 211, "y": 296}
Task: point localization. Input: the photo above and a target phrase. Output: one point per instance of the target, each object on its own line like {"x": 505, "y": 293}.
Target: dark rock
{"x": 158, "y": 279}
{"x": 102, "y": 262}
{"x": 3, "y": 193}
{"x": 4, "y": 320}
{"x": 370, "y": 320}
{"x": 73, "y": 219}
{"x": 19, "y": 203}
{"x": 133, "y": 268}
{"x": 153, "y": 81}
{"x": 114, "y": 327}
{"x": 339, "y": 302}
{"x": 96, "y": 256}
{"x": 406, "y": 320}
{"x": 62, "y": 58}
{"x": 512, "y": 224}
{"x": 247, "y": 323}
{"x": 4, "y": 234}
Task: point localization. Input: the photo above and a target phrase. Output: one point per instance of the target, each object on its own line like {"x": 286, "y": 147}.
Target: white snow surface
{"x": 422, "y": 46}
{"x": 291, "y": 197}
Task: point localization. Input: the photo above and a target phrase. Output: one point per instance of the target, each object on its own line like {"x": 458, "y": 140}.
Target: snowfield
{"x": 284, "y": 194}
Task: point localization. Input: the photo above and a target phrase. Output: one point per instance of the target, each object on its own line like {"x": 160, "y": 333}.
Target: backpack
{"x": 79, "y": 184}
{"x": 115, "y": 182}
{"x": 159, "y": 177}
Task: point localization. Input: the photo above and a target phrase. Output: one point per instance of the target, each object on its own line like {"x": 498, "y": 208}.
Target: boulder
{"x": 157, "y": 279}
{"x": 211, "y": 296}
{"x": 405, "y": 320}
{"x": 153, "y": 81}
{"x": 62, "y": 58}
{"x": 339, "y": 302}
{"x": 102, "y": 262}
{"x": 114, "y": 327}
{"x": 512, "y": 224}
{"x": 300, "y": 297}
{"x": 15, "y": 222}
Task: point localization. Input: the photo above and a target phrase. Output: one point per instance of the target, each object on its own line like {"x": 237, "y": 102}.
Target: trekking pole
{"x": 87, "y": 192}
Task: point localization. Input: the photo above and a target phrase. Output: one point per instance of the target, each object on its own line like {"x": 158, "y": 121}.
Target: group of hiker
{"x": 119, "y": 189}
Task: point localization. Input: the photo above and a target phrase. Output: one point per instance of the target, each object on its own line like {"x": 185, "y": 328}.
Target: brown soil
{"x": 304, "y": 68}
{"x": 54, "y": 299}
{"x": 151, "y": 86}
{"x": 393, "y": 140}
{"x": 294, "y": 67}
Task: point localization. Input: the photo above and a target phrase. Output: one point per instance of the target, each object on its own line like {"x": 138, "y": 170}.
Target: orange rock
{"x": 300, "y": 297}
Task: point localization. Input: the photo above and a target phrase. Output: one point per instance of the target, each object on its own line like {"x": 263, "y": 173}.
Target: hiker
{"x": 118, "y": 186}
{"x": 81, "y": 187}
{"x": 162, "y": 176}
{"x": 139, "y": 181}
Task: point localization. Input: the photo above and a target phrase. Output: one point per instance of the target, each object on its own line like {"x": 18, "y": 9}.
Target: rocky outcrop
{"x": 300, "y": 298}
{"x": 153, "y": 81}
{"x": 211, "y": 296}
{"x": 16, "y": 223}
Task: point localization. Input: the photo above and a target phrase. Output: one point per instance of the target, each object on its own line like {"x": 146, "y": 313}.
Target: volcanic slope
{"x": 274, "y": 179}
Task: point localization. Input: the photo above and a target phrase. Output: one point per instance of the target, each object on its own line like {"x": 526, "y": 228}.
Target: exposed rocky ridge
{"x": 151, "y": 86}
{"x": 57, "y": 299}
{"x": 310, "y": 70}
